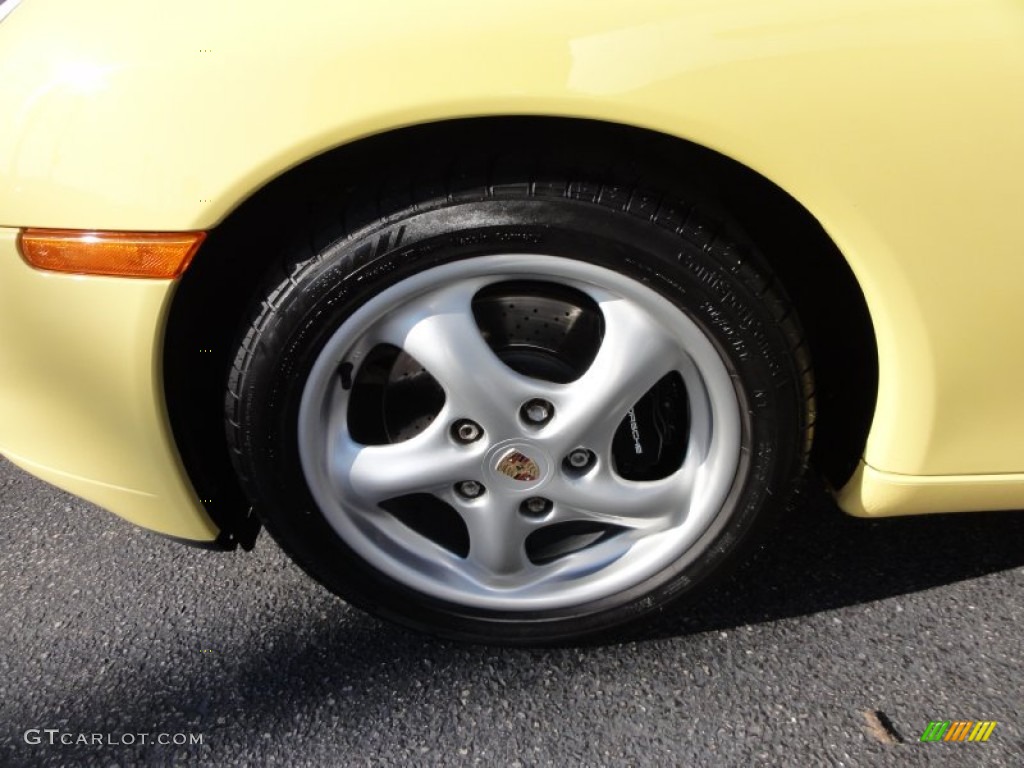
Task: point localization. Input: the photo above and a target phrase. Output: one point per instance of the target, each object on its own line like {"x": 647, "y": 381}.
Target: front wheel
{"x": 524, "y": 419}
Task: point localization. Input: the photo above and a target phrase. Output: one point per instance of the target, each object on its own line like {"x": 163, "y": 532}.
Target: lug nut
{"x": 537, "y": 412}
{"x": 466, "y": 431}
{"x": 535, "y": 506}
{"x": 470, "y": 489}
{"x": 580, "y": 458}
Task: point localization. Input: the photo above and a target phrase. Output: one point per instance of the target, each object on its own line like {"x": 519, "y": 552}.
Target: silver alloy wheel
{"x": 429, "y": 316}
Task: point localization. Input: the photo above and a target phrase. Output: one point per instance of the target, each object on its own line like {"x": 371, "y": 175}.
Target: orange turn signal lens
{"x": 120, "y": 254}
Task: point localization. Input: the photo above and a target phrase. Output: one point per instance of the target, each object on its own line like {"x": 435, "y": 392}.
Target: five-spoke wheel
{"x": 508, "y": 436}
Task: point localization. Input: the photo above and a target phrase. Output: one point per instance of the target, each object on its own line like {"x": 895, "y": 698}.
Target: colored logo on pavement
{"x": 958, "y": 730}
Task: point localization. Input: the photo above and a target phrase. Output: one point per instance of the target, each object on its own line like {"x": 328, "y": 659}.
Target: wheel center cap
{"x": 517, "y": 465}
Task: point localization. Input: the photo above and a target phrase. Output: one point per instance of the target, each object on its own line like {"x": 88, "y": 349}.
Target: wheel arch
{"x": 213, "y": 299}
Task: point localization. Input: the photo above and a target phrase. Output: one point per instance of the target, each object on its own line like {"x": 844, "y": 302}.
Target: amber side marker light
{"x": 118, "y": 254}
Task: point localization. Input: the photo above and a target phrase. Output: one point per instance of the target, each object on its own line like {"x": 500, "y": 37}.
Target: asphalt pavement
{"x": 837, "y": 647}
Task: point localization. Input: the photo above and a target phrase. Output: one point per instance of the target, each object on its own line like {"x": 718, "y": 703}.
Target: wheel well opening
{"x": 348, "y": 186}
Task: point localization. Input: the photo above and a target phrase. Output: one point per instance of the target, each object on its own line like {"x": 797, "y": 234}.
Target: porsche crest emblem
{"x": 518, "y": 466}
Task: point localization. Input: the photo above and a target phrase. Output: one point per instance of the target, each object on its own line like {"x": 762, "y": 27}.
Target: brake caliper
{"x": 651, "y": 441}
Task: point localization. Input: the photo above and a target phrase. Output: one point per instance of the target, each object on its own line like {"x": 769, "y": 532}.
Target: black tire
{"x": 684, "y": 254}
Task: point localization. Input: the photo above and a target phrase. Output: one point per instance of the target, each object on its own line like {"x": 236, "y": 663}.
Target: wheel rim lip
{"x": 430, "y": 573}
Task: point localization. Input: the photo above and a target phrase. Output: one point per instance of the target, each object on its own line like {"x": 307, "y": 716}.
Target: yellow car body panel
{"x": 896, "y": 123}
{"x": 81, "y": 402}
{"x": 871, "y": 493}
